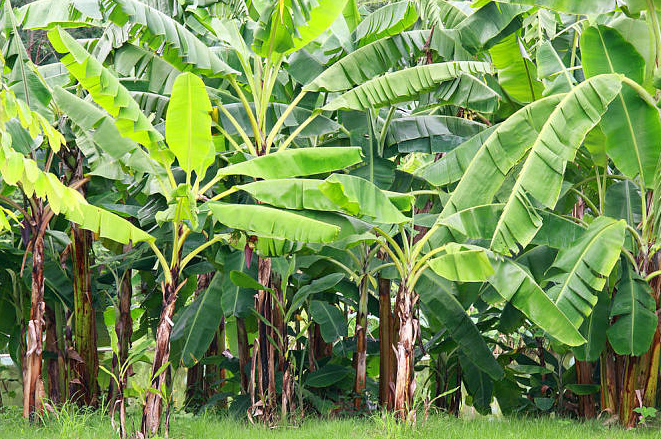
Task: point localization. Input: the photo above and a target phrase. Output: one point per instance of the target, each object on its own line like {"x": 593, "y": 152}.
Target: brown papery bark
{"x": 84, "y": 389}
{"x": 405, "y": 381}
{"x": 52, "y": 364}
{"x": 33, "y": 386}
{"x": 151, "y": 414}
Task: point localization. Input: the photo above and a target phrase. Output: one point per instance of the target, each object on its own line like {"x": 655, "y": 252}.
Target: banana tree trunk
{"x": 265, "y": 364}
{"x": 52, "y": 364}
{"x": 640, "y": 382}
{"x": 124, "y": 324}
{"x": 244, "y": 353}
{"x": 84, "y": 389}
{"x": 33, "y": 386}
{"x": 361, "y": 345}
{"x": 609, "y": 383}
{"x": 385, "y": 343}
{"x": 586, "y": 403}
{"x": 629, "y": 382}
{"x": 151, "y": 413}
{"x": 405, "y": 381}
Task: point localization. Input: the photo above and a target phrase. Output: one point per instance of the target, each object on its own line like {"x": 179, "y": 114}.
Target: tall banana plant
{"x": 48, "y": 197}
{"x": 593, "y": 142}
{"x": 189, "y": 140}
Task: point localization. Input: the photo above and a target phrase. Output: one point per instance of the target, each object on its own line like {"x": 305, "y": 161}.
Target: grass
{"x": 72, "y": 424}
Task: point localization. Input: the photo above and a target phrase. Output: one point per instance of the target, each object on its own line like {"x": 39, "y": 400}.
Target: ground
{"x": 66, "y": 425}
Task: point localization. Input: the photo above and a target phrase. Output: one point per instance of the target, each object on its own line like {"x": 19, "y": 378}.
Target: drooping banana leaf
{"x": 179, "y": 46}
{"x": 391, "y": 19}
{"x": 580, "y": 271}
{"x": 369, "y": 61}
{"x": 515, "y": 284}
{"x": 106, "y": 91}
{"x": 552, "y": 136}
{"x": 408, "y": 84}
{"x": 444, "y": 305}
{"x": 332, "y": 324}
{"x": 288, "y": 25}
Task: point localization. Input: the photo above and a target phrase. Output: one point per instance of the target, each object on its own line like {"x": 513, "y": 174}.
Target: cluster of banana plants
{"x": 327, "y": 206}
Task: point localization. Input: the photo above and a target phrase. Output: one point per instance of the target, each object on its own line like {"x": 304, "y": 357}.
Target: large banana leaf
{"x": 434, "y": 293}
{"x": 296, "y": 163}
{"x": 408, "y": 84}
{"x": 632, "y": 126}
{"x": 273, "y": 223}
{"x": 554, "y": 143}
{"x": 188, "y": 125}
{"x": 88, "y": 117}
{"x": 301, "y": 193}
{"x": 633, "y": 309}
{"x": 515, "y": 284}
{"x": 196, "y": 325}
{"x": 17, "y": 169}
{"x": 356, "y": 195}
{"x": 430, "y": 134}
{"x": 106, "y": 91}
{"x": 45, "y": 14}
{"x": 369, "y": 61}
{"x": 288, "y": 25}
{"x": 580, "y": 271}
{"x": 484, "y": 174}
{"x": 391, "y": 19}
{"x": 517, "y": 74}
{"x": 441, "y": 14}
{"x": 481, "y": 29}
{"x": 177, "y": 45}
{"x": 552, "y": 70}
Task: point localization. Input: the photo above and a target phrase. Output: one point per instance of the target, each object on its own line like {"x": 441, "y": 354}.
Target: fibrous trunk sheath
{"x": 405, "y": 382}
{"x": 151, "y": 413}
{"x": 33, "y": 386}
{"x": 85, "y": 365}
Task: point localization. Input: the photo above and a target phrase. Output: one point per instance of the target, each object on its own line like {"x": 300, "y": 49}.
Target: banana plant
{"x": 48, "y": 197}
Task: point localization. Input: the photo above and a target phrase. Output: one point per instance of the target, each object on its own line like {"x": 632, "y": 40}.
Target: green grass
{"x": 70, "y": 424}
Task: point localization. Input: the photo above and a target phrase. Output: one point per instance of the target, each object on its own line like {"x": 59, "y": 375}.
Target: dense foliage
{"x": 327, "y": 206}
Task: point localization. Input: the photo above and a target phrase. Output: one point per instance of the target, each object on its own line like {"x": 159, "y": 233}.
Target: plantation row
{"x": 327, "y": 206}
